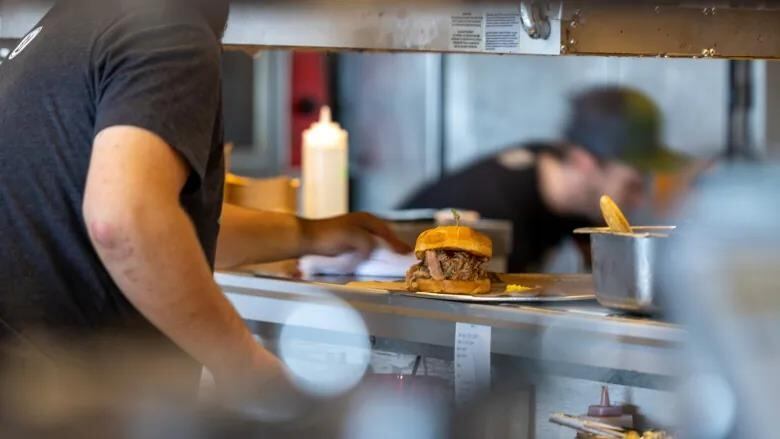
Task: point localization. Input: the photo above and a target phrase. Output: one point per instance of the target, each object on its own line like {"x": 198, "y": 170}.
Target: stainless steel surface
{"x": 533, "y": 16}
{"x": 391, "y": 106}
{"x": 637, "y": 231}
{"x": 767, "y": 112}
{"x": 543, "y": 288}
{"x": 677, "y": 28}
{"x": 624, "y": 267}
{"x": 503, "y": 298}
{"x": 378, "y": 25}
{"x": 576, "y": 335}
{"x": 644, "y": 28}
{"x": 406, "y": 25}
{"x": 268, "y": 155}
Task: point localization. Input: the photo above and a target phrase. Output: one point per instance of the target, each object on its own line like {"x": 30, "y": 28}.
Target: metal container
{"x": 624, "y": 267}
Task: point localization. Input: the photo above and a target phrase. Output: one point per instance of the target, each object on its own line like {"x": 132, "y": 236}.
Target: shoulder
{"x": 525, "y": 157}
{"x": 172, "y": 22}
{"x": 517, "y": 159}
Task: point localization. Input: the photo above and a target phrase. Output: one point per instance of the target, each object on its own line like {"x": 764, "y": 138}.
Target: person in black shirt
{"x": 548, "y": 189}
{"x": 111, "y": 182}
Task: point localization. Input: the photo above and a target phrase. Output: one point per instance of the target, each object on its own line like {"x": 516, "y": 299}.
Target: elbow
{"x": 104, "y": 234}
{"x": 109, "y": 238}
{"x": 110, "y": 228}
{"x": 117, "y": 226}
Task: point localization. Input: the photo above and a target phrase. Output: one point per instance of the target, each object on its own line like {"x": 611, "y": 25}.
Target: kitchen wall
{"x": 413, "y": 116}
{"x": 767, "y": 113}
{"x": 391, "y": 106}
{"x": 496, "y": 101}
{"x": 256, "y": 92}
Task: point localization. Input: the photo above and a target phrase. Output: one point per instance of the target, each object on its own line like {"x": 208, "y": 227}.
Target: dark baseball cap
{"x": 622, "y": 124}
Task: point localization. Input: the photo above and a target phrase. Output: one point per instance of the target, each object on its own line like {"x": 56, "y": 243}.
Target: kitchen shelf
{"x": 681, "y": 28}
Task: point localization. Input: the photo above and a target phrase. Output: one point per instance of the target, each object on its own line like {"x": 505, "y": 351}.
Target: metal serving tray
{"x": 543, "y": 288}
{"x": 624, "y": 266}
{"x": 532, "y": 297}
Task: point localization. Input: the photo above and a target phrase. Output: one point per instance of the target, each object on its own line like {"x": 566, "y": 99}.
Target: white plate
{"x": 502, "y": 298}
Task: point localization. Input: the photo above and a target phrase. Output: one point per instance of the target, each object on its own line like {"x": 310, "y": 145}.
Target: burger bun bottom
{"x": 466, "y": 287}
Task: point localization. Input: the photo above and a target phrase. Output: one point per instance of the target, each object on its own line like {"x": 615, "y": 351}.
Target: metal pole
{"x": 740, "y": 106}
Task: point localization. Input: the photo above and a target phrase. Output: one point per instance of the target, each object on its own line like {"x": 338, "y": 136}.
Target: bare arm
{"x": 149, "y": 246}
{"x": 250, "y": 236}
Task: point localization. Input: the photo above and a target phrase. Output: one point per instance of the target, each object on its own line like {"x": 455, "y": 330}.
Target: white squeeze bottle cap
{"x": 326, "y": 133}
{"x": 325, "y": 168}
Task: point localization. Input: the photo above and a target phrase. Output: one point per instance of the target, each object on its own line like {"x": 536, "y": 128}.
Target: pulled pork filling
{"x": 448, "y": 264}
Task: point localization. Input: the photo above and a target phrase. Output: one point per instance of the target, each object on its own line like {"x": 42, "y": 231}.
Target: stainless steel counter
{"x": 581, "y": 334}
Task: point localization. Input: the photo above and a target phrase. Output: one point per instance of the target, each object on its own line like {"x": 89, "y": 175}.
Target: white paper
{"x": 383, "y": 262}
{"x": 502, "y": 32}
{"x": 467, "y": 31}
{"x": 472, "y": 360}
{"x": 386, "y": 263}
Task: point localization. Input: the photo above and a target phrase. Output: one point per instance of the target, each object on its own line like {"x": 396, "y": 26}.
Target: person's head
{"x": 613, "y": 139}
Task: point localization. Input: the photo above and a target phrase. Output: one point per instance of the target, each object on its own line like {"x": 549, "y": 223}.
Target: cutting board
{"x": 397, "y": 286}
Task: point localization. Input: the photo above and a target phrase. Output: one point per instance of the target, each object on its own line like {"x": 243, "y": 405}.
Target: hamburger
{"x": 452, "y": 261}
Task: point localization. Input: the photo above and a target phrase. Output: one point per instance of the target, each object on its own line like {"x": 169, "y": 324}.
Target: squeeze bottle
{"x": 325, "y": 169}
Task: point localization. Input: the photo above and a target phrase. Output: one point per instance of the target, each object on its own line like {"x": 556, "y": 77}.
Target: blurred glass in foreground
{"x": 398, "y": 407}
{"x": 334, "y": 361}
{"x": 722, "y": 281}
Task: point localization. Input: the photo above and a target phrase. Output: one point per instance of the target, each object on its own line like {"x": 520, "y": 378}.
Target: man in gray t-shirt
{"x": 111, "y": 177}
